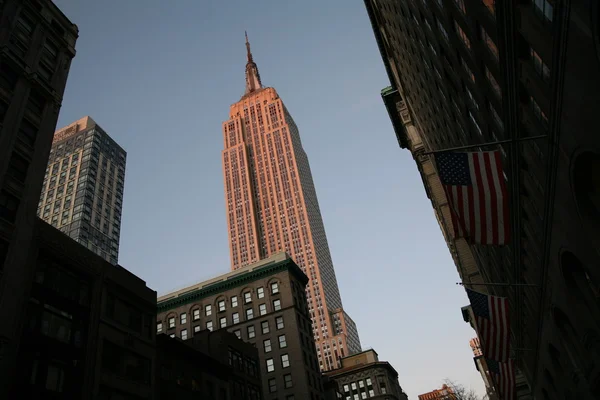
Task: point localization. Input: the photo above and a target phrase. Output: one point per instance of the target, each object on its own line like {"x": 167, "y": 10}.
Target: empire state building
{"x": 272, "y": 206}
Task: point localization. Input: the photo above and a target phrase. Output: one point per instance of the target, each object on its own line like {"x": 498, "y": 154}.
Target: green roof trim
{"x": 387, "y": 91}
{"x": 234, "y": 281}
{"x": 390, "y": 98}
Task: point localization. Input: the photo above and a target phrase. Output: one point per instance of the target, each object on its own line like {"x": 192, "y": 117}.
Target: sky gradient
{"x": 159, "y": 77}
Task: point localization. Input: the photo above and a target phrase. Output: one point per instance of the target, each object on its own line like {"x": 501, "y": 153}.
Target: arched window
{"x": 555, "y": 357}
{"x": 568, "y": 336}
{"x": 586, "y": 184}
{"x": 580, "y": 285}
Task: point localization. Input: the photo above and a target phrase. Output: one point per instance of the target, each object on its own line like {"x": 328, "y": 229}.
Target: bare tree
{"x": 459, "y": 392}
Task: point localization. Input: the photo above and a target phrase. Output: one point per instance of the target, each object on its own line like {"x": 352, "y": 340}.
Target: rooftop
{"x": 239, "y": 277}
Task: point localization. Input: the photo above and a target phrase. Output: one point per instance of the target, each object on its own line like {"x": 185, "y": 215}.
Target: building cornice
{"x": 236, "y": 281}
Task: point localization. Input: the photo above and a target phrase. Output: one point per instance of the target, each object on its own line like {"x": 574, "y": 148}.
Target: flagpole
{"x": 498, "y": 284}
{"x": 474, "y": 146}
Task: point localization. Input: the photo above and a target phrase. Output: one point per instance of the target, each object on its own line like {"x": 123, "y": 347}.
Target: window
{"x": 270, "y": 365}
{"x": 17, "y": 167}
{"x": 496, "y": 116}
{"x": 234, "y": 301}
{"x": 8, "y": 206}
{"x": 223, "y": 322}
{"x": 279, "y": 322}
{"x": 493, "y": 82}
{"x": 184, "y": 334}
{"x": 250, "y": 331}
{"x": 540, "y": 67}
{"x": 489, "y": 42}
{"x": 461, "y": 5}
{"x": 443, "y": 30}
{"x": 285, "y": 360}
{"x": 468, "y": 70}
{"x": 472, "y": 98}
{"x": 183, "y": 318}
{"x": 159, "y": 327}
{"x": 543, "y": 9}
{"x": 249, "y": 314}
{"x": 172, "y": 335}
{"x": 235, "y": 318}
{"x": 474, "y": 121}
{"x": 462, "y": 35}
{"x": 282, "y": 342}
{"x": 196, "y": 313}
{"x": 537, "y": 111}
{"x": 260, "y": 292}
{"x": 196, "y": 328}
{"x": 274, "y": 288}
{"x": 267, "y": 345}
{"x": 491, "y": 6}
{"x": 207, "y": 310}
{"x": 287, "y": 381}
{"x": 276, "y": 305}
{"x": 264, "y": 326}
{"x": 272, "y": 385}
{"x": 247, "y": 297}
{"x": 171, "y": 322}
{"x": 209, "y": 325}
{"x": 262, "y": 309}
{"x": 238, "y": 333}
{"x": 221, "y": 305}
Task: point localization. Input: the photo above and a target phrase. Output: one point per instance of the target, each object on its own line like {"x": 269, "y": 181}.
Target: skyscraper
{"x": 272, "y": 206}
{"x": 82, "y": 193}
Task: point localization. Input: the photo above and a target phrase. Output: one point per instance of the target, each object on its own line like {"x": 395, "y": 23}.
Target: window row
{"x": 235, "y": 317}
{"x": 250, "y": 330}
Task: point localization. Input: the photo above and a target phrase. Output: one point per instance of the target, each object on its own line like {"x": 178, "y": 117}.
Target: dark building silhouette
{"x": 213, "y": 365}
{"x": 38, "y": 44}
{"x": 88, "y": 326}
{"x": 471, "y": 72}
{"x": 264, "y": 304}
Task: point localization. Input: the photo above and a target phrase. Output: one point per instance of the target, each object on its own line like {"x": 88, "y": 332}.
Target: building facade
{"x": 444, "y": 393}
{"x": 38, "y": 44}
{"x": 82, "y": 192}
{"x": 272, "y": 206}
{"x": 88, "y": 327}
{"x": 213, "y": 364}
{"x": 363, "y": 376}
{"x": 264, "y": 304}
{"x": 525, "y": 74}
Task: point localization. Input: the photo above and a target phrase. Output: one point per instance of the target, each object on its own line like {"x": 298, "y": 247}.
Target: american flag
{"x": 503, "y": 374}
{"x": 491, "y": 319}
{"x": 476, "y": 190}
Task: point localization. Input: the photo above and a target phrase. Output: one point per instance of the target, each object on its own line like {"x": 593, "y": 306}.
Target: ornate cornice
{"x": 236, "y": 281}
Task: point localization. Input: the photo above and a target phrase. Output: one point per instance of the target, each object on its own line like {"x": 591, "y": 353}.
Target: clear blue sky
{"x": 159, "y": 77}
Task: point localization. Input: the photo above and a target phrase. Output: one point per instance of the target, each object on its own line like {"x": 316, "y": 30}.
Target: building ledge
{"x": 391, "y": 98}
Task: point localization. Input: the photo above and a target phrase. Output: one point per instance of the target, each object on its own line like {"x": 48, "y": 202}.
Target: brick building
{"x": 38, "y": 44}
{"x": 363, "y": 376}
{"x": 524, "y": 77}
{"x": 88, "y": 326}
{"x": 263, "y": 304}
{"x": 213, "y": 364}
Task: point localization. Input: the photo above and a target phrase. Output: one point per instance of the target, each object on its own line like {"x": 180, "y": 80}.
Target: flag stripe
{"x": 476, "y": 191}
{"x": 492, "y": 323}
{"x": 504, "y": 192}
{"x": 481, "y": 232}
{"x": 500, "y": 200}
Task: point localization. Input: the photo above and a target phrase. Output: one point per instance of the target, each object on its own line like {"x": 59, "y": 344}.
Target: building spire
{"x": 253, "y": 82}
